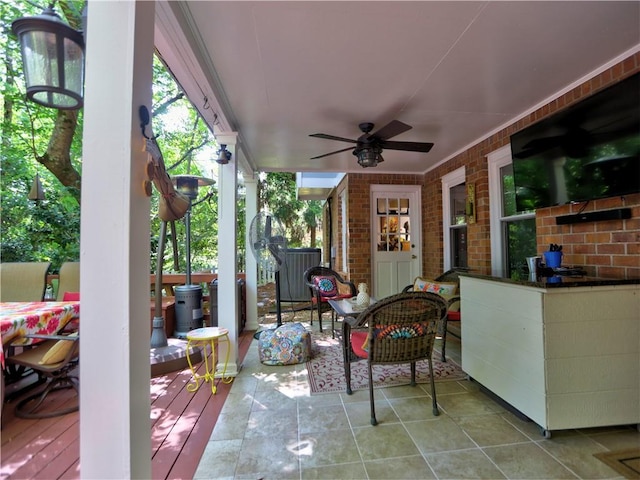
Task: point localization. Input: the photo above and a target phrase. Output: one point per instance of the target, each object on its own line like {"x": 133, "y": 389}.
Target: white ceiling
{"x": 275, "y": 72}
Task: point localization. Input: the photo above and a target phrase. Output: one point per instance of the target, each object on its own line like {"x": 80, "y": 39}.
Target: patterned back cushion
{"x": 326, "y": 286}
{"x": 441, "y": 288}
{"x": 399, "y": 331}
{"x": 394, "y": 331}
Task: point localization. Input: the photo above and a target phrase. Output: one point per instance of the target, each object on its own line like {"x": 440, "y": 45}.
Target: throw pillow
{"x": 58, "y": 352}
{"x": 441, "y": 288}
{"x": 326, "y": 286}
{"x": 399, "y": 331}
{"x": 71, "y": 297}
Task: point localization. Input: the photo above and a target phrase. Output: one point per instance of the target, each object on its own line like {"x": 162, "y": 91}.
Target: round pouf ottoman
{"x": 288, "y": 344}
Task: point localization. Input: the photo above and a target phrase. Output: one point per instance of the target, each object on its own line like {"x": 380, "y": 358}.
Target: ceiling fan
{"x": 369, "y": 146}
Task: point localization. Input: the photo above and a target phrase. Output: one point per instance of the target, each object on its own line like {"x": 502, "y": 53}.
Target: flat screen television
{"x": 589, "y": 150}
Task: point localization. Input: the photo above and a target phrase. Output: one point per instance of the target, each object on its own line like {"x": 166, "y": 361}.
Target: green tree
{"x": 277, "y": 194}
{"x": 46, "y": 141}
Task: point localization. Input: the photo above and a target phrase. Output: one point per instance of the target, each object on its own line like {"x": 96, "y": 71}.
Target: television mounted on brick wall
{"x": 587, "y": 151}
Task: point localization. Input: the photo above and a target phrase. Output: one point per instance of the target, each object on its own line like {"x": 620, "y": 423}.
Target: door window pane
{"x": 393, "y": 224}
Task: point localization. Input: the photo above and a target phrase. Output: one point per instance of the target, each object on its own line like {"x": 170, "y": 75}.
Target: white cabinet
{"x": 566, "y": 357}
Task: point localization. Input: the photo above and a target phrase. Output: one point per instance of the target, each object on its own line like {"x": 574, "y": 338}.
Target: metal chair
{"x": 69, "y": 280}
{"x": 326, "y": 284}
{"x": 401, "y": 328}
{"x": 54, "y": 359}
{"x": 23, "y": 281}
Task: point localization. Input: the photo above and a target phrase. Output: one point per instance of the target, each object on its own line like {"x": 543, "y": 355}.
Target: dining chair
{"x": 398, "y": 329}
{"x": 326, "y": 284}
{"x": 54, "y": 359}
{"x": 69, "y": 281}
{"x": 23, "y": 281}
{"x": 448, "y": 286}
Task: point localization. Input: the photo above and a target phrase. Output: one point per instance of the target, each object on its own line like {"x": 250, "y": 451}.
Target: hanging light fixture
{"x": 37, "y": 192}
{"x": 224, "y": 155}
{"x": 53, "y": 60}
{"x": 369, "y": 156}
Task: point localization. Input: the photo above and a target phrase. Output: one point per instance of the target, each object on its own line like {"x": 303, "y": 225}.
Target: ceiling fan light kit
{"x": 369, "y": 157}
{"x": 369, "y": 146}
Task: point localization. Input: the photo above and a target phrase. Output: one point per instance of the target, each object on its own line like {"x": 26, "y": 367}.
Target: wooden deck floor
{"x": 182, "y": 423}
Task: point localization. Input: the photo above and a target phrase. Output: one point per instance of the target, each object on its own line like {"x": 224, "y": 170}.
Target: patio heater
{"x": 189, "y": 297}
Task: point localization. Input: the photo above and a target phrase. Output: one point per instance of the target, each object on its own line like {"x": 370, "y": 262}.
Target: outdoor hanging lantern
{"x": 53, "y": 60}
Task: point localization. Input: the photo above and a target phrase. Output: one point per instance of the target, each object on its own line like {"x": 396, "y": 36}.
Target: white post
{"x": 251, "y": 266}
{"x": 227, "y": 254}
{"x": 115, "y": 439}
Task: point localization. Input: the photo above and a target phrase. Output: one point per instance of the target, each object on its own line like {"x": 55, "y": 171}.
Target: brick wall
{"x": 606, "y": 249}
{"x": 356, "y": 187}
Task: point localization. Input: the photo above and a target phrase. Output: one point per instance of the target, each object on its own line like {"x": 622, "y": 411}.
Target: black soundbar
{"x": 602, "y": 215}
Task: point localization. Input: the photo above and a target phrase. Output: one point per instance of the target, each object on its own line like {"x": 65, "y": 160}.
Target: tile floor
{"x": 271, "y": 427}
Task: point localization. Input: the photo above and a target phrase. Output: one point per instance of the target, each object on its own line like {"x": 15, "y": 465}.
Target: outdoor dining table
{"x": 18, "y": 319}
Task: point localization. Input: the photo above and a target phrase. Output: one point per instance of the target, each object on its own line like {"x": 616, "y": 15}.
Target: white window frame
{"x": 450, "y": 180}
{"x": 344, "y": 227}
{"x": 495, "y": 161}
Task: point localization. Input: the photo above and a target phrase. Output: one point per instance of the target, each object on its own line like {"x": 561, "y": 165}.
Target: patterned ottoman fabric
{"x": 286, "y": 345}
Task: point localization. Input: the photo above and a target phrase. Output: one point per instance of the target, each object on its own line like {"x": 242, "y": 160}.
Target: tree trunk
{"x": 57, "y": 158}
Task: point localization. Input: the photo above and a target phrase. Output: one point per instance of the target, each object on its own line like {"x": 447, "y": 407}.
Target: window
{"x": 454, "y": 219}
{"x": 513, "y": 233}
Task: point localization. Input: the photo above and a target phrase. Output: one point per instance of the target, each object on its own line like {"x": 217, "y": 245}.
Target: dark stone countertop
{"x": 558, "y": 281}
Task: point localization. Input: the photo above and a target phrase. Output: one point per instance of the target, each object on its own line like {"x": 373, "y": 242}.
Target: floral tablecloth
{"x": 21, "y": 318}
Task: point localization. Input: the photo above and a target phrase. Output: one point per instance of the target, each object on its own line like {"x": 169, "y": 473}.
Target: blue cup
{"x": 553, "y": 259}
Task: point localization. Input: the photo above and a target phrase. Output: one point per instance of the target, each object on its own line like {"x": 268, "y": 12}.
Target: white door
{"x": 395, "y": 237}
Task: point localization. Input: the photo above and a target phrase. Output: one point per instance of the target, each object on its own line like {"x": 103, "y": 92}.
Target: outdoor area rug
{"x": 326, "y": 369}
{"x": 625, "y": 462}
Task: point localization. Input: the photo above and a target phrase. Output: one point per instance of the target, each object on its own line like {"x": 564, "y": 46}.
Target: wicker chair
{"x": 398, "y": 329}
{"x": 320, "y": 295}
{"x": 453, "y": 313}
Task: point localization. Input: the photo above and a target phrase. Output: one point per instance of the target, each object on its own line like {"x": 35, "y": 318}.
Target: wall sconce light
{"x": 369, "y": 157}
{"x": 37, "y": 192}
{"x": 53, "y": 60}
{"x": 224, "y": 155}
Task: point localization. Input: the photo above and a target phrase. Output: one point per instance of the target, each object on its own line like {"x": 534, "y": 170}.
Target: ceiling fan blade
{"x": 408, "y": 146}
{"x": 332, "y": 137}
{"x": 391, "y": 129}
{"x": 331, "y": 153}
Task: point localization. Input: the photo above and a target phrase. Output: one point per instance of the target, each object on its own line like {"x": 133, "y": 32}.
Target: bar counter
{"x": 564, "y": 351}
{"x": 559, "y": 281}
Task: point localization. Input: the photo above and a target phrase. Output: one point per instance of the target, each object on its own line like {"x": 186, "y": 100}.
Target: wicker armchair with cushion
{"x": 324, "y": 285}
{"x": 448, "y": 286}
{"x": 398, "y": 329}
